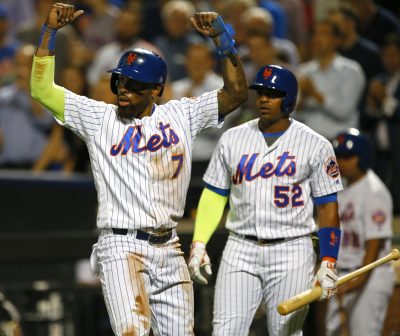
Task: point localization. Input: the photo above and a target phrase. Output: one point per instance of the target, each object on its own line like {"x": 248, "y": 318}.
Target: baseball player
{"x": 141, "y": 160}
{"x": 273, "y": 170}
{"x": 365, "y": 208}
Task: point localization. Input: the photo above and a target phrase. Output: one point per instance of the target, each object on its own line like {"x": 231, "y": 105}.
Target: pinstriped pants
{"x": 145, "y": 286}
{"x": 250, "y": 273}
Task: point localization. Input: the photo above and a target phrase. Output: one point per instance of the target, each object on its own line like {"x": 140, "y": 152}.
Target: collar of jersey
{"x": 276, "y": 134}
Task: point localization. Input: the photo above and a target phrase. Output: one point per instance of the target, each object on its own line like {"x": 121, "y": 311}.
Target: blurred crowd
{"x": 345, "y": 53}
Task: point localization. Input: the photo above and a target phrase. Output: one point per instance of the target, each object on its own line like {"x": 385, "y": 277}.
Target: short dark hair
{"x": 349, "y": 13}
{"x": 335, "y": 29}
{"x": 391, "y": 39}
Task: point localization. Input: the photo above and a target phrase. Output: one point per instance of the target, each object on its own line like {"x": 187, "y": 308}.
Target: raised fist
{"x": 202, "y": 22}
{"x": 61, "y": 14}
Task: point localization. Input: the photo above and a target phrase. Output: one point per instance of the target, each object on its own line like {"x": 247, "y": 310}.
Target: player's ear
{"x": 156, "y": 91}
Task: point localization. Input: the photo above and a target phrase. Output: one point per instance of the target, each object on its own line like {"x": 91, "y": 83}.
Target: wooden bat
{"x": 300, "y": 300}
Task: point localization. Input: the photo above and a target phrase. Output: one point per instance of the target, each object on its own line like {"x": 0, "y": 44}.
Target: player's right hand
{"x": 202, "y": 22}
{"x": 326, "y": 277}
{"x": 61, "y": 14}
{"x": 198, "y": 259}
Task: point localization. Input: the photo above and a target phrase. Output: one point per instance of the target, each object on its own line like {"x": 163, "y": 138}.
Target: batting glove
{"x": 199, "y": 260}
{"x": 326, "y": 277}
{"x": 94, "y": 264}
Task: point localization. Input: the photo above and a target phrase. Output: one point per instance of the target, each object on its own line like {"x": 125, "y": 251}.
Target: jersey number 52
{"x": 285, "y": 195}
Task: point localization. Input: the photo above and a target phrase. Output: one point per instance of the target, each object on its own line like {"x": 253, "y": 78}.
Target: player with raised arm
{"x": 141, "y": 160}
{"x": 273, "y": 170}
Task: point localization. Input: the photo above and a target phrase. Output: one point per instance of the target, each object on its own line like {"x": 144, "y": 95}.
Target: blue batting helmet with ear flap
{"x": 141, "y": 65}
{"x": 278, "y": 78}
{"x": 352, "y": 142}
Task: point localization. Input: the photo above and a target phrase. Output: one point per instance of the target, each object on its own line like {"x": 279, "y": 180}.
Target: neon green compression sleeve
{"x": 209, "y": 213}
{"x": 43, "y": 88}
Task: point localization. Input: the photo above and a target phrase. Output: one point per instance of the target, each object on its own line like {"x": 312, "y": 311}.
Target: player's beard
{"x": 127, "y": 113}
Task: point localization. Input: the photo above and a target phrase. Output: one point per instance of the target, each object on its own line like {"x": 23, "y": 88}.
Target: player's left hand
{"x": 198, "y": 260}
{"x": 326, "y": 277}
{"x": 202, "y": 22}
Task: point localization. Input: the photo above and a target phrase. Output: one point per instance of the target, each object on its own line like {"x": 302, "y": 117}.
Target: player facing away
{"x": 273, "y": 170}
{"x": 141, "y": 160}
{"x": 365, "y": 208}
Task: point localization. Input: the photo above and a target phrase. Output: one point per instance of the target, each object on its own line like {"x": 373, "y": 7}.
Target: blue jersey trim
{"x": 276, "y": 134}
{"x": 325, "y": 199}
{"x": 222, "y": 192}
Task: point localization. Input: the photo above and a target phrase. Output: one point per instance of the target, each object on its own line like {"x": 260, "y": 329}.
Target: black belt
{"x": 152, "y": 238}
{"x": 262, "y": 241}
{"x": 347, "y": 270}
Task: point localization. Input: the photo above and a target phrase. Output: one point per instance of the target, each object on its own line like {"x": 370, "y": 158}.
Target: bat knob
{"x": 396, "y": 254}
{"x": 283, "y": 309}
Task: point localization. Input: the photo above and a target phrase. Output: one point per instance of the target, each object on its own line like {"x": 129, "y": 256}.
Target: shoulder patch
{"x": 379, "y": 217}
{"x": 332, "y": 168}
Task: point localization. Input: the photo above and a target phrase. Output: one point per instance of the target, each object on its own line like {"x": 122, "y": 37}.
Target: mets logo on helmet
{"x": 267, "y": 72}
{"x": 131, "y": 58}
{"x": 332, "y": 168}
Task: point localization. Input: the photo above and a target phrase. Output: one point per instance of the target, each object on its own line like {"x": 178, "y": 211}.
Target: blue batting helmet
{"x": 278, "y": 78}
{"x": 140, "y": 65}
{"x": 352, "y": 142}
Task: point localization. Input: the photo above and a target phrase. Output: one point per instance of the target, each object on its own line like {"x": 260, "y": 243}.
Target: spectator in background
{"x": 151, "y": 18}
{"x": 295, "y": 20}
{"x": 261, "y": 52}
{"x": 102, "y": 92}
{"x": 64, "y": 147}
{"x": 179, "y": 35}
{"x": 29, "y": 33}
{"x": 279, "y": 28}
{"x": 201, "y": 78}
{"x": 359, "y": 49}
{"x": 24, "y": 124}
{"x": 330, "y": 85}
{"x": 210, "y": 5}
{"x": 383, "y": 107}
{"x": 20, "y": 11}
{"x": 8, "y": 48}
{"x": 354, "y": 46}
{"x": 127, "y": 36}
{"x": 232, "y": 11}
{"x": 375, "y": 22}
{"x": 98, "y": 28}
{"x": 256, "y": 19}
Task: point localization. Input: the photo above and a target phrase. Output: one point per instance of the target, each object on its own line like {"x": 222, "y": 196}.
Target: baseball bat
{"x": 300, "y": 300}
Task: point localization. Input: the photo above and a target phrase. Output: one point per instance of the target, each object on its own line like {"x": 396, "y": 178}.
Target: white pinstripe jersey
{"x": 142, "y": 168}
{"x": 272, "y": 188}
{"x": 365, "y": 209}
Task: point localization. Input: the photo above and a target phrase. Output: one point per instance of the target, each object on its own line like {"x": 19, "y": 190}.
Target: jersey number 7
{"x": 179, "y": 158}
